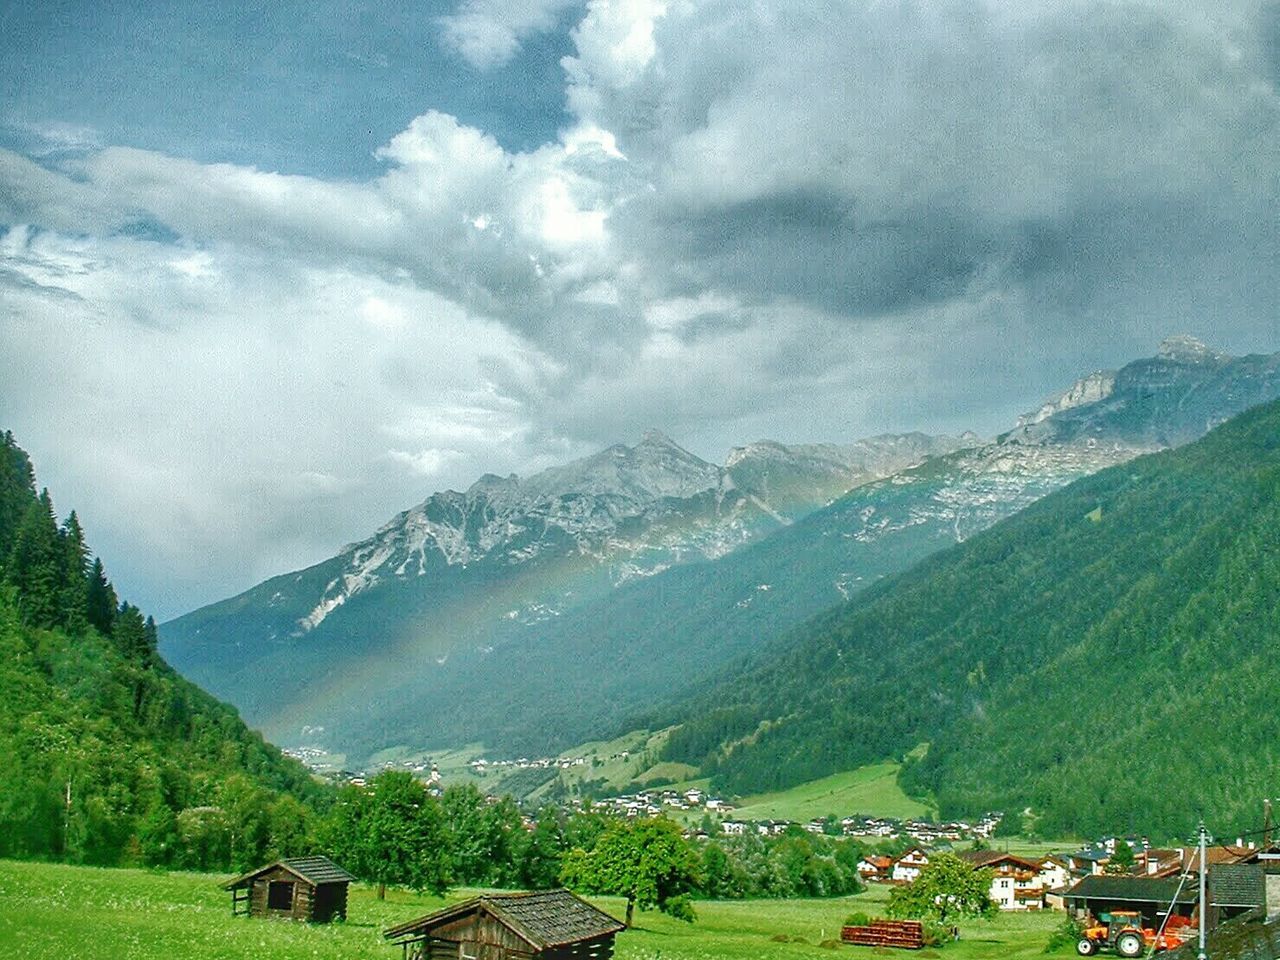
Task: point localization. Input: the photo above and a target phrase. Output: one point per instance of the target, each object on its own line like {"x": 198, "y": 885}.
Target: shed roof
{"x": 1135, "y": 889}
{"x": 314, "y": 870}
{"x": 1237, "y": 885}
{"x": 543, "y": 918}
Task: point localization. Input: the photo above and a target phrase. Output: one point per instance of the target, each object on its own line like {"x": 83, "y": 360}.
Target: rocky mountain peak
{"x": 1184, "y": 348}
{"x": 1096, "y": 386}
{"x": 654, "y": 437}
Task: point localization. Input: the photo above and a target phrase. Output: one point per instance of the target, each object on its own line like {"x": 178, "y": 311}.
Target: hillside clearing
{"x": 871, "y": 790}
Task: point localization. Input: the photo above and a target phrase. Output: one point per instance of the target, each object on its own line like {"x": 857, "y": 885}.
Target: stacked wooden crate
{"x": 904, "y": 934}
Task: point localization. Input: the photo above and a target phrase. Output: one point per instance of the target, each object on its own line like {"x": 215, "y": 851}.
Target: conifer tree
{"x": 100, "y": 604}
{"x": 74, "y": 595}
{"x": 130, "y": 633}
{"x": 35, "y": 565}
{"x": 17, "y": 490}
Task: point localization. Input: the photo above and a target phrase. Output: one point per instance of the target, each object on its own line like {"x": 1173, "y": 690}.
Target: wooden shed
{"x": 302, "y": 888}
{"x": 543, "y": 925}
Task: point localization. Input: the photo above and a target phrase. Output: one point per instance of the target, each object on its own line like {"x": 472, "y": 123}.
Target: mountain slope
{"x": 591, "y": 669}
{"x": 1109, "y": 657}
{"x": 603, "y": 595}
{"x": 462, "y": 573}
{"x": 107, "y": 756}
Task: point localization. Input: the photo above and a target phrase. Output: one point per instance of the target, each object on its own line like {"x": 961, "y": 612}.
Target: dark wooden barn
{"x": 544, "y": 925}
{"x": 302, "y": 888}
{"x": 1101, "y": 893}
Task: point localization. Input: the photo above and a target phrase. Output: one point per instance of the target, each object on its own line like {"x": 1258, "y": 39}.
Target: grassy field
{"x": 54, "y": 912}
{"x": 872, "y": 790}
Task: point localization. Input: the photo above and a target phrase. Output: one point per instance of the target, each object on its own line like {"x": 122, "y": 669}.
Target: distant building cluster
{"x": 652, "y": 803}
{"x": 481, "y": 766}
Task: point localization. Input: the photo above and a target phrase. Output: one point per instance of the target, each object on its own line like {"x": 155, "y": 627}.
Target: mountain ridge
{"x": 1087, "y": 658}
{"x": 595, "y": 632}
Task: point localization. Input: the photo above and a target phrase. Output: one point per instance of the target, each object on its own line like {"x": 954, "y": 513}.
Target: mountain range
{"x": 1106, "y": 659}
{"x": 529, "y": 614}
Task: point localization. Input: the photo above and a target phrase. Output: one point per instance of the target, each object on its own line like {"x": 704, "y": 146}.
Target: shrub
{"x": 1069, "y": 931}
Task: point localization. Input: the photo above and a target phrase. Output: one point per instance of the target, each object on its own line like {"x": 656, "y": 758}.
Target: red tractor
{"x": 1122, "y": 932}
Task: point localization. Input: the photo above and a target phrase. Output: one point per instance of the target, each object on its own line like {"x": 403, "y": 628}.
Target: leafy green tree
{"x": 158, "y": 837}
{"x": 542, "y": 855}
{"x": 391, "y": 832}
{"x": 947, "y": 889}
{"x": 647, "y": 861}
{"x": 484, "y": 836}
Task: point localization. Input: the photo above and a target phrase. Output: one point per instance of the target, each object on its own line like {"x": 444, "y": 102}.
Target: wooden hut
{"x": 301, "y": 888}
{"x": 543, "y": 925}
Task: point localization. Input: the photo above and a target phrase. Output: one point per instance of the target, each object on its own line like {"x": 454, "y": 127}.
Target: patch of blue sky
{"x": 297, "y": 87}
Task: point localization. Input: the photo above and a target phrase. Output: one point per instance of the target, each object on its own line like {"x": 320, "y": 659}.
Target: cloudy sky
{"x": 268, "y": 277}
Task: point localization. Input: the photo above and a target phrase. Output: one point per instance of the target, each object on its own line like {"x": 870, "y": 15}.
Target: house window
{"x": 467, "y": 951}
{"x": 280, "y": 895}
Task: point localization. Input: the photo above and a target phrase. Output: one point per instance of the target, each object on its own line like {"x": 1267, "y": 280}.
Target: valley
{"x": 556, "y": 580}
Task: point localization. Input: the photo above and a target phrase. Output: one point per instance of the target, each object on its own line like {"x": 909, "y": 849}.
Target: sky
{"x": 271, "y": 273}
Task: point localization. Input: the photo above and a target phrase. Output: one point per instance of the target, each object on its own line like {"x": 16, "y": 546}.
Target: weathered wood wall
{"x": 329, "y": 901}
{"x": 300, "y": 907}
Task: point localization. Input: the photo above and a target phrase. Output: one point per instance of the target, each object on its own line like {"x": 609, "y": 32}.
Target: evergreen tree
{"x": 17, "y": 490}
{"x": 100, "y": 603}
{"x": 74, "y": 599}
{"x": 35, "y": 565}
{"x": 129, "y": 633}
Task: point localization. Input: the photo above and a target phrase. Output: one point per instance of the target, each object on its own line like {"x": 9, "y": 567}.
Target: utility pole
{"x": 1266, "y": 823}
{"x": 1204, "y": 872}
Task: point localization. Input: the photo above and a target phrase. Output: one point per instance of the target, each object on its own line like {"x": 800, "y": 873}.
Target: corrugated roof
{"x": 1237, "y": 885}
{"x": 315, "y": 870}
{"x": 543, "y": 918}
{"x": 1135, "y": 889}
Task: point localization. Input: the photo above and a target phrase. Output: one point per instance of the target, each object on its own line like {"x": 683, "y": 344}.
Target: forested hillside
{"x": 1109, "y": 657}
{"x": 107, "y": 756}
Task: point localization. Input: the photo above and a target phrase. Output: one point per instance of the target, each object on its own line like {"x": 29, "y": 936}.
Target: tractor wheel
{"x": 1129, "y": 944}
{"x": 1086, "y": 947}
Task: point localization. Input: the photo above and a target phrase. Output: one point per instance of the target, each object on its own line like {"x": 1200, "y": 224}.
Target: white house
{"x": 908, "y": 866}
{"x": 1053, "y": 873}
{"x": 874, "y": 868}
{"x": 1015, "y": 884}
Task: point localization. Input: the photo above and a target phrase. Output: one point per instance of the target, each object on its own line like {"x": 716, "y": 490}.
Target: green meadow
{"x": 872, "y": 790}
{"x": 57, "y": 912}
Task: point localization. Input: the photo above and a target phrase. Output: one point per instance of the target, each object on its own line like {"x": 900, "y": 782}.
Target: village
{"x": 1127, "y": 896}
{"x": 1122, "y": 877}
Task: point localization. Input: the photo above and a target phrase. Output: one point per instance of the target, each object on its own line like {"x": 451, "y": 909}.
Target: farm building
{"x": 1099, "y": 894}
{"x": 544, "y": 925}
{"x": 1236, "y": 889}
{"x": 302, "y": 888}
